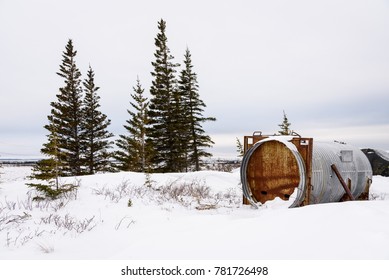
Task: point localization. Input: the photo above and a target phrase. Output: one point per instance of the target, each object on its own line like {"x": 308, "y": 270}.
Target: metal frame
{"x": 304, "y": 147}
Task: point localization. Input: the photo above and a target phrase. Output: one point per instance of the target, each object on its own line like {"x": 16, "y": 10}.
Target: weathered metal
{"x": 299, "y": 170}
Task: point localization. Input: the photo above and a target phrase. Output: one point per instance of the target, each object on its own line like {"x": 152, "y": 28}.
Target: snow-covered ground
{"x": 183, "y": 216}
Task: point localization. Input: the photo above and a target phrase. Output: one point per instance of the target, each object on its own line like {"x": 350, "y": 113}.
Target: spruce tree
{"x": 66, "y": 114}
{"x": 239, "y": 148}
{"x": 284, "y": 126}
{"x": 95, "y": 136}
{"x": 162, "y": 131}
{"x": 197, "y": 139}
{"x": 64, "y": 125}
{"x": 48, "y": 170}
{"x": 134, "y": 152}
{"x": 180, "y": 133}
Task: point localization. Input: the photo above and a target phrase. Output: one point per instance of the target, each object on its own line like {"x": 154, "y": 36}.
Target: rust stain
{"x": 272, "y": 172}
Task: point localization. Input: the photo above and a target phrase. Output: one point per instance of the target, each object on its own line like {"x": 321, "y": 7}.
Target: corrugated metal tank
{"x": 273, "y": 167}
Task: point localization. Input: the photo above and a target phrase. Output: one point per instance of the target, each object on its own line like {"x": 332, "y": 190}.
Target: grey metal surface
{"x": 352, "y": 164}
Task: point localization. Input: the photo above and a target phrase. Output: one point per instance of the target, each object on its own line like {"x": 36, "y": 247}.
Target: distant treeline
{"x": 18, "y": 162}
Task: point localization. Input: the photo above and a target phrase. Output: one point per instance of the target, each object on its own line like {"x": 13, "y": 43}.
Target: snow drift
{"x": 183, "y": 216}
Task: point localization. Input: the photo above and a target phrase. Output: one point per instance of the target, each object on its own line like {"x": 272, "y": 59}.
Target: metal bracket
{"x": 342, "y": 182}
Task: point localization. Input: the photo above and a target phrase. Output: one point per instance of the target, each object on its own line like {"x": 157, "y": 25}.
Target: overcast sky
{"x": 326, "y": 63}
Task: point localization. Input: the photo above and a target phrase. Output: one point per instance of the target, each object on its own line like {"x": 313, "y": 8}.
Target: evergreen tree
{"x": 239, "y": 148}
{"x": 134, "y": 152}
{"x": 95, "y": 136}
{"x": 163, "y": 128}
{"x": 64, "y": 123}
{"x": 285, "y": 126}
{"x": 180, "y": 127}
{"x": 67, "y": 113}
{"x": 193, "y": 106}
{"x": 47, "y": 170}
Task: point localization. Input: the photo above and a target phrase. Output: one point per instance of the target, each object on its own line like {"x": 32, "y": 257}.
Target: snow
{"x": 382, "y": 154}
{"x": 12, "y": 173}
{"x": 195, "y": 215}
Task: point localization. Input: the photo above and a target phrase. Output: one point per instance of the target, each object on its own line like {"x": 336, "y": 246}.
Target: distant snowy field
{"x": 183, "y": 216}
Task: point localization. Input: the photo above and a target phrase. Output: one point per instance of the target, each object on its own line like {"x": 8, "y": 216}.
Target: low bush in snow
{"x": 190, "y": 194}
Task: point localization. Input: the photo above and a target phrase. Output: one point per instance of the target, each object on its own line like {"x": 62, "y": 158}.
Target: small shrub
{"x": 47, "y": 249}
{"x": 69, "y": 223}
{"x": 149, "y": 183}
{"x": 129, "y": 223}
{"x": 223, "y": 166}
{"x": 376, "y": 196}
{"x": 48, "y": 192}
{"x": 124, "y": 189}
